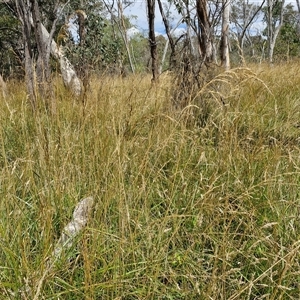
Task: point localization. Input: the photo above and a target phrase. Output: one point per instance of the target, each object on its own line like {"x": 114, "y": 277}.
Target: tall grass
{"x": 189, "y": 205}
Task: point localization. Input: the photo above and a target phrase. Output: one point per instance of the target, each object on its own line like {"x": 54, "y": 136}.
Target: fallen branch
{"x": 80, "y": 218}
{"x": 65, "y": 242}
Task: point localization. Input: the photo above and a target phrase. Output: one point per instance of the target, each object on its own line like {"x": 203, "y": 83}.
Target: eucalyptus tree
{"x": 288, "y": 40}
{"x": 124, "y": 30}
{"x": 204, "y": 31}
{"x": 152, "y": 39}
{"x": 23, "y": 12}
{"x": 244, "y": 14}
{"x": 120, "y": 24}
{"x": 224, "y": 45}
{"x": 35, "y": 35}
{"x": 197, "y": 49}
{"x": 202, "y": 19}
{"x": 170, "y": 41}
{"x": 274, "y": 18}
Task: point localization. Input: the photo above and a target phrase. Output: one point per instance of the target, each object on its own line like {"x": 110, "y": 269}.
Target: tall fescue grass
{"x": 202, "y": 203}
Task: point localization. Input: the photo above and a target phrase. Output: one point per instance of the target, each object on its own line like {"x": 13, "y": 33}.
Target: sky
{"x": 138, "y": 9}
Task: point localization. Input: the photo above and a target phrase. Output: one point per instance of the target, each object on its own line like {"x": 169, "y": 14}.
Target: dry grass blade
{"x": 287, "y": 260}
{"x": 206, "y": 209}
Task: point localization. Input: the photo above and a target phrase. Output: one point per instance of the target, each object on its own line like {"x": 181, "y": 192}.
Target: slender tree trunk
{"x": 163, "y": 57}
{"x": 122, "y": 29}
{"x": 124, "y": 35}
{"x": 298, "y": 5}
{"x": 152, "y": 40}
{"x": 188, "y": 26}
{"x": 247, "y": 21}
{"x": 83, "y": 70}
{"x": 23, "y": 10}
{"x": 270, "y": 29}
{"x": 29, "y": 72}
{"x": 273, "y": 31}
{"x": 298, "y": 20}
{"x": 204, "y": 31}
{"x": 42, "y": 63}
{"x": 224, "y": 46}
{"x": 168, "y": 32}
{"x": 29, "y": 16}
{"x": 119, "y": 64}
{"x": 81, "y": 16}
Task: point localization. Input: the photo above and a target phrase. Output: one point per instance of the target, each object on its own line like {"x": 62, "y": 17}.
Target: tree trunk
{"x": 298, "y": 21}
{"x": 42, "y": 64}
{"x": 188, "y": 27}
{"x": 163, "y": 57}
{"x": 67, "y": 70}
{"x": 247, "y": 21}
{"x": 204, "y": 31}
{"x": 123, "y": 31}
{"x": 152, "y": 40}
{"x": 46, "y": 45}
{"x": 124, "y": 35}
{"x": 170, "y": 38}
{"x": 273, "y": 31}
{"x": 23, "y": 10}
{"x": 224, "y": 45}
{"x": 270, "y": 29}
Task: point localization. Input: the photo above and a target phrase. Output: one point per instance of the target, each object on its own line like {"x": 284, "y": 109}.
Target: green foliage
{"x": 140, "y": 51}
{"x": 10, "y": 43}
{"x": 288, "y": 44}
{"x": 102, "y": 47}
{"x": 141, "y": 54}
{"x": 276, "y": 12}
{"x": 90, "y": 52}
{"x": 179, "y": 5}
{"x": 288, "y": 41}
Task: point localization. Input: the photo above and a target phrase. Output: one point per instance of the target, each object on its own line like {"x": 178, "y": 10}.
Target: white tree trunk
{"x": 123, "y": 32}
{"x": 68, "y": 73}
{"x": 225, "y": 60}
{"x": 163, "y": 57}
{"x": 205, "y": 33}
{"x": 273, "y": 31}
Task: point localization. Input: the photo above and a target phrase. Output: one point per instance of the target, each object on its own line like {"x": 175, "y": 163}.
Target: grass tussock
{"x": 197, "y": 204}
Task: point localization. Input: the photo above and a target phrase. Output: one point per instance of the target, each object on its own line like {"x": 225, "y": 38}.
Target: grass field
{"x": 202, "y": 203}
